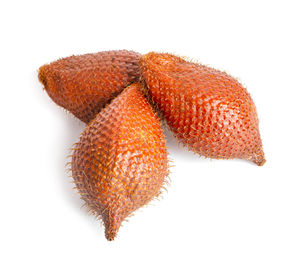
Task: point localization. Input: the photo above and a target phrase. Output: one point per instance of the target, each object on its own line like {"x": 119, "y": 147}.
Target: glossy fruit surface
{"x": 209, "y": 111}
{"x": 120, "y": 162}
{"x": 85, "y": 84}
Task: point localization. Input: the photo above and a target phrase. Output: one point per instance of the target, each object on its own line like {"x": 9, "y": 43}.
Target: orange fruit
{"x": 209, "y": 111}
{"x": 120, "y": 162}
{"x": 85, "y": 84}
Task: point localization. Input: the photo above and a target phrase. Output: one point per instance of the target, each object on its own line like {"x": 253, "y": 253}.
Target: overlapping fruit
{"x": 120, "y": 162}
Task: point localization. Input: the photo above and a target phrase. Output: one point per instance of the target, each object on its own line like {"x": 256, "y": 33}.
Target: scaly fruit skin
{"x": 84, "y": 84}
{"x": 120, "y": 162}
{"x": 208, "y": 110}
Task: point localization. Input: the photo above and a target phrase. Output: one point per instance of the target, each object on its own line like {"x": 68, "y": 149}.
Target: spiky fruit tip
{"x": 258, "y": 159}
{"x": 110, "y": 233}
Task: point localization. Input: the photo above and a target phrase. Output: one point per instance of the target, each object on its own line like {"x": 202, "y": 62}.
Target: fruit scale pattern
{"x": 208, "y": 110}
{"x": 120, "y": 162}
{"x": 85, "y": 84}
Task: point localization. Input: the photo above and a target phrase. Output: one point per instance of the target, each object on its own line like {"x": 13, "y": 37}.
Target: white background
{"x": 214, "y": 211}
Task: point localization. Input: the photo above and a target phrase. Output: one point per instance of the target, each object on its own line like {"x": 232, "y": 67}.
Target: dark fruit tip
{"x": 259, "y": 159}
{"x": 42, "y": 76}
{"x": 261, "y": 162}
{"x": 110, "y": 235}
{"x": 112, "y": 225}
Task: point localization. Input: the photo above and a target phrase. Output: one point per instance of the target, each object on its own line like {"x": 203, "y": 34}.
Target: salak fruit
{"x": 84, "y": 84}
{"x": 120, "y": 162}
{"x": 208, "y": 111}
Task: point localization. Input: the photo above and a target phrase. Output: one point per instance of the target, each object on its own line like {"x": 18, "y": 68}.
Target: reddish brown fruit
{"x": 208, "y": 110}
{"x": 120, "y": 163}
{"x": 85, "y": 84}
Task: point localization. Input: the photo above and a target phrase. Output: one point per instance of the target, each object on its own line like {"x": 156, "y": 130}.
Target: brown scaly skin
{"x": 85, "y": 84}
{"x": 120, "y": 162}
{"x": 208, "y": 110}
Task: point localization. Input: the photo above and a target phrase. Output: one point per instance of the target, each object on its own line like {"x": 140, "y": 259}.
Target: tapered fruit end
{"x": 258, "y": 159}
{"x": 49, "y": 79}
{"x": 110, "y": 235}
{"x": 43, "y": 75}
{"x": 112, "y": 226}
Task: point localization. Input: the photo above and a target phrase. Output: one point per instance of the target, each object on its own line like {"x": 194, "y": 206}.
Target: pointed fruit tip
{"x": 259, "y": 159}
{"x": 41, "y": 76}
{"x": 112, "y": 225}
{"x": 261, "y": 162}
{"x": 110, "y": 235}
{"x": 45, "y": 78}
